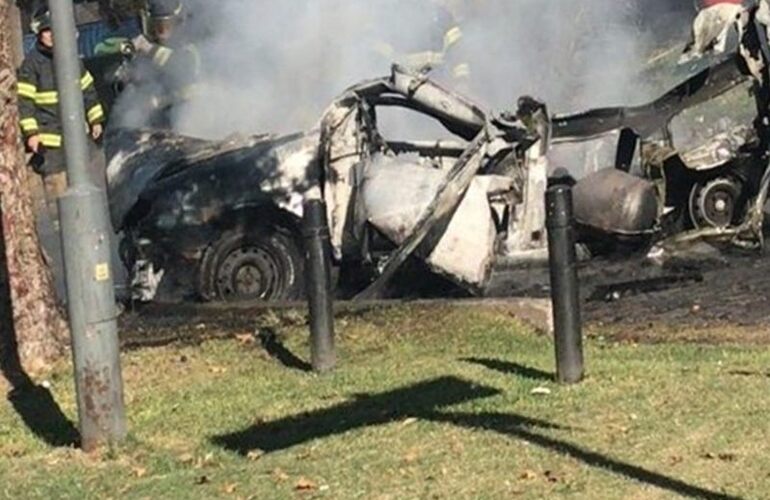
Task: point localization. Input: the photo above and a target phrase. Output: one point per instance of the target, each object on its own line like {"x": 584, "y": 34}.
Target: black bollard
{"x": 319, "y": 286}
{"x": 565, "y": 294}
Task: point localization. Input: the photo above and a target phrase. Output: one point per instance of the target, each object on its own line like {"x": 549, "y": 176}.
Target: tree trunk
{"x": 30, "y": 318}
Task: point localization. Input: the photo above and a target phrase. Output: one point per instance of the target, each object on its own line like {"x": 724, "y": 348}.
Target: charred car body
{"x": 706, "y": 179}
{"x": 221, "y": 220}
{"x": 704, "y": 183}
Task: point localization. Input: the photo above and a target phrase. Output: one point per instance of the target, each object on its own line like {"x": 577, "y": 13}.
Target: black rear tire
{"x": 255, "y": 264}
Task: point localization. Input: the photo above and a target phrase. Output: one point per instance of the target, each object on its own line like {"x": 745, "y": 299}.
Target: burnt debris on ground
{"x": 735, "y": 294}
{"x": 624, "y": 298}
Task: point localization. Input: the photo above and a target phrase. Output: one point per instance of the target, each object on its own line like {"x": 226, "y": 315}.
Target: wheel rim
{"x": 714, "y": 203}
{"x": 252, "y": 272}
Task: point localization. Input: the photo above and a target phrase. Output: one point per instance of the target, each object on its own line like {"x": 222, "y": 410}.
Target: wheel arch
{"x": 245, "y": 219}
{"x": 259, "y": 214}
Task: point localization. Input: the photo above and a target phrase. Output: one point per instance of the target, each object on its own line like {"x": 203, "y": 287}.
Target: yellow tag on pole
{"x": 102, "y": 272}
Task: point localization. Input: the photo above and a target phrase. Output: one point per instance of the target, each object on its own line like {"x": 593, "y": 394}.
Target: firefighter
{"x": 39, "y": 112}
{"x": 167, "y": 67}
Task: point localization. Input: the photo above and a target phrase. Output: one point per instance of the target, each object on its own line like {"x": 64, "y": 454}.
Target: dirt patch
{"x": 733, "y": 295}
{"x": 718, "y": 299}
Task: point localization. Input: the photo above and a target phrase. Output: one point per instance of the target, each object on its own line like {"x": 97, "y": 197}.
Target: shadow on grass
{"x": 364, "y": 411}
{"x": 748, "y": 373}
{"x": 43, "y": 416}
{"x": 510, "y": 425}
{"x": 508, "y": 367}
{"x": 34, "y": 404}
{"x": 424, "y": 401}
{"x": 275, "y": 348}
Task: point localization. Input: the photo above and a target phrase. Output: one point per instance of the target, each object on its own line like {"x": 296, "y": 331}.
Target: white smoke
{"x": 273, "y": 65}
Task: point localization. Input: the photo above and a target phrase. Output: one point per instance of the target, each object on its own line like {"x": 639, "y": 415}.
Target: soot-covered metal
{"x": 220, "y": 220}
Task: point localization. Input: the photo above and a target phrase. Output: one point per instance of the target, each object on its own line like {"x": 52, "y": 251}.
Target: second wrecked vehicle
{"x": 222, "y": 220}
{"x": 700, "y": 152}
{"x": 694, "y": 168}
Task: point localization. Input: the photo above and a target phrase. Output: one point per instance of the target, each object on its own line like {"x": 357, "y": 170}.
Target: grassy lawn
{"x": 426, "y": 403}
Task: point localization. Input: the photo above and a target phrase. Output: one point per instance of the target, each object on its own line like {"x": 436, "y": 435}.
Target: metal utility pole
{"x": 564, "y": 285}
{"x": 319, "y": 286}
{"x": 86, "y": 234}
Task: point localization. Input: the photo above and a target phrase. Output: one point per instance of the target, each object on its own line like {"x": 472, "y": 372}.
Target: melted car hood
{"x": 138, "y": 159}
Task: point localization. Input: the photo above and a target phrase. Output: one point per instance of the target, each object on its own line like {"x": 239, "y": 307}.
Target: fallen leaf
{"x": 208, "y": 459}
{"x": 245, "y": 338}
{"x": 254, "y": 455}
{"x": 620, "y": 428}
{"x": 280, "y": 476}
{"x": 305, "y": 484}
{"x": 527, "y": 475}
{"x": 139, "y": 472}
{"x": 411, "y": 456}
{"x": 187, "y": 458}
{"x": 725, "y": 457}
{"x": 217, "y": 370}
{"x": 408, "y": 421}
{"x": 230, "y": 488}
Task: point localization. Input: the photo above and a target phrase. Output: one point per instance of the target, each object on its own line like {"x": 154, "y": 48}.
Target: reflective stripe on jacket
{"x": 39, "y": 98}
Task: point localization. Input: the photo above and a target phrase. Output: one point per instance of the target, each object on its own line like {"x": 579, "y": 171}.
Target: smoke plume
{"x": 273, "y": 65}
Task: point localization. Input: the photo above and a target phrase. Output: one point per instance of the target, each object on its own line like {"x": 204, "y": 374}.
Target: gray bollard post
{"x": 319, "y": 286}
{"x": 565, "y": 293}
{"x": 86, "y": 236}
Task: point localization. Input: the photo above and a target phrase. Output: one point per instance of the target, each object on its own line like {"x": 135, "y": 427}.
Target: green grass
{"x": 407, "y": 415}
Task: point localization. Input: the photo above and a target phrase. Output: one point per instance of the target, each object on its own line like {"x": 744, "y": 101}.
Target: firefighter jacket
{"x": 39, "y": 98}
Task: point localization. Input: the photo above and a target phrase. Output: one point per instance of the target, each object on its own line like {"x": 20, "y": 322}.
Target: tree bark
{"x": 30, "y": 319}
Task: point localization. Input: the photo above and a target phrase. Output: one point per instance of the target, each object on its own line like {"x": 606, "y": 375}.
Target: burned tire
{"x": 262, "y": 264}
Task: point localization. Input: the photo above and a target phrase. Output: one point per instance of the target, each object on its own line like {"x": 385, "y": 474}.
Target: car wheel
{"x": 715, "y": 203}
{"x": 262, "y": 264}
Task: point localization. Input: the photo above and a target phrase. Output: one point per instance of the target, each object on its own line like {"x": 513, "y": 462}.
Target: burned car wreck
{"x": 703, "y": 182}
{"x": 698, "y": 154}
{"x": 222, "y": 220}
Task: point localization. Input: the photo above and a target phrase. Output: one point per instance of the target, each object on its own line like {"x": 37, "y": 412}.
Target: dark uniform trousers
{"x": 52, "y": 182}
